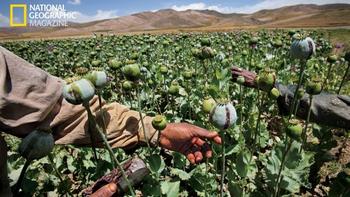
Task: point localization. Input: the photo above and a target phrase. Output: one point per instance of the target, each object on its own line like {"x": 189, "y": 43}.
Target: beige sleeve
{"x": 32, "y": 99}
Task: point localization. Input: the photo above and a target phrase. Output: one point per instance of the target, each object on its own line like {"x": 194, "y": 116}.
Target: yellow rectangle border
{"x": 12, "y": 22}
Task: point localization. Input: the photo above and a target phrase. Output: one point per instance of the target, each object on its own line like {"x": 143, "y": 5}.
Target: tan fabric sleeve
{"x": 32, "y": 99}
{"x": 123, "y": 126}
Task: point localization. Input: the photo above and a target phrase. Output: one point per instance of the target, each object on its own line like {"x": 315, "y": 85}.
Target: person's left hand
{"x": 188, "y": 140}
{"x": 106, "y": 191}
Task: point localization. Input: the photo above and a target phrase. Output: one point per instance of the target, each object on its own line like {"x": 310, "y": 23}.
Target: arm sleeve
{"x": 327, "y": 109}
{"x": 32, "y": 99}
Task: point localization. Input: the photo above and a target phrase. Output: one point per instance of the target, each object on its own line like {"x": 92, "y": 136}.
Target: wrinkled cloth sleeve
{"x": 32, "y": 99}
{"x": 327, "y": 109}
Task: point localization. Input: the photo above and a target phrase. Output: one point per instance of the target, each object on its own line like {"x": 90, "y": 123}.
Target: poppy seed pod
{"x": 302, "y": 49}
{"x": 205, "y": 42}
{"x": 174, "y": 88}
{"x": 114, "y": 64}
{"x": 187, "y": 74}
{"x": 240, "y": 80}
{"x": 332, "y": 59}
{"x": 159, "y": 122}
{"x": 294, "y": 129}
{"x": 36, "y": 145}
{"x": 275, "y": 93}
{"x": 163, "y": 70}
{"x": 207, "y": 53}
{"x": 132, "y": 71}
{"x": 266, "y": 80}
{"x": 223, "y": 115}
{"x": 98, "y": 78}
{"x": 127, "y": 85}
{"x": 196, "y": 52}
{"x": 208, "y": 104}
{"x": 314, "y": 86}
{"x": 79, "y": 91}
{"x": 300, "y": 93}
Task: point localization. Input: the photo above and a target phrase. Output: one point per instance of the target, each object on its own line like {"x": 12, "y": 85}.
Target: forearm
{"x": 123, "y": 126}
{"x": 327, "y": 109}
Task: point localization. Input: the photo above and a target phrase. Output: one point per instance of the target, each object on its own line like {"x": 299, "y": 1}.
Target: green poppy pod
{"x": 274, "y": 93}
{"x": 266, "y": 80}
{"x": 159, "y": 122}
{"x": 240, "y": 80}
{"x": 314, "y": 86}
{"x": 208, "y": 104}
{"x": 332, "y": 59}
{"x": 127, "y": 85}
{"x": 98, "y": 78}
{"x": 132, "y": 71}
{"x": 294, "y": 129}
{"x": 36, "y": 145}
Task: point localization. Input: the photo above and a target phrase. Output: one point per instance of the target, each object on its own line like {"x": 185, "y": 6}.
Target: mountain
{"x": 168, "y": 20}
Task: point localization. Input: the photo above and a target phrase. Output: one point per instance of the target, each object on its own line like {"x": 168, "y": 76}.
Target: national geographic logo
{"x": 40, "y": 15}
{"x": 22, "y": 7}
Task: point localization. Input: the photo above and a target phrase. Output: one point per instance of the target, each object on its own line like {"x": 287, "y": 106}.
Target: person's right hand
{"x": 106, "y": 191}
{"x": 189, "y": 140}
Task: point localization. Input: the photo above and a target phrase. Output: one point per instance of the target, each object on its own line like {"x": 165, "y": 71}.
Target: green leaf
{"x": 245, "y": 164}
{"x": 235, "y": 189}
{"x": 296, "y": 169}
{"x": 170, "y": 189}
{"x": 181, "y": 174}
{"x": 156, "y": 163}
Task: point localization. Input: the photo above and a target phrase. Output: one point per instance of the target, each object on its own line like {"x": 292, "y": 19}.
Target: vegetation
{"x": 183, "y": 77}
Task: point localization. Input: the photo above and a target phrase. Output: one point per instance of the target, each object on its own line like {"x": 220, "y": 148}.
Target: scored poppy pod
{"x": 79, "y": 91}
{"x": 223, "y": 115}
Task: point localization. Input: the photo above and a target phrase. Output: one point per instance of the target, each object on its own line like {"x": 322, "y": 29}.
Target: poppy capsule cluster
{"x": 223, "y": 115}
{"x": 79, "y": 92}
{"x": 82, "y": 91}
{"x": 302, "y": 49}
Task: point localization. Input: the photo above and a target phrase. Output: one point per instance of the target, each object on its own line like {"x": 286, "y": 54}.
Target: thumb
{"x": 106, "y": 191}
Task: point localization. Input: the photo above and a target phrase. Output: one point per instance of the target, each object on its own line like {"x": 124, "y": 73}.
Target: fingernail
{"x": 112, "y": 187}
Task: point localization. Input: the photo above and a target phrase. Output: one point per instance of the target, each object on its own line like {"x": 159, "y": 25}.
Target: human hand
{"x": 106, "y": 191}
{"x": 188, "y": 140}
{"x": 249, "y": 77}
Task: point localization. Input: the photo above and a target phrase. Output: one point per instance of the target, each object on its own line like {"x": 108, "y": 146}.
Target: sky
{"x": 90, "y": 10}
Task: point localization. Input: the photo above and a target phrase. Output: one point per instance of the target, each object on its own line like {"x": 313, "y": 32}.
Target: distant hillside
{"x": 331, "y": 15}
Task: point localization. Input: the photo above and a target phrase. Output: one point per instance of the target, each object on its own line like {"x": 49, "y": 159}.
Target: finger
{"x": 197, "y": 141}
{"x": 106, "y": 191}
{"x": 190, "y": 156}
{"x": 199, "y": 156}
{"x": 203, "y": 133}
{"x": 206, "y": 150}
{"x": 217, "y": 139}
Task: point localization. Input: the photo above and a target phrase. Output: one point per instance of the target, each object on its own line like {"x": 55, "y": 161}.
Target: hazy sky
{"x": 89, "y": 10}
